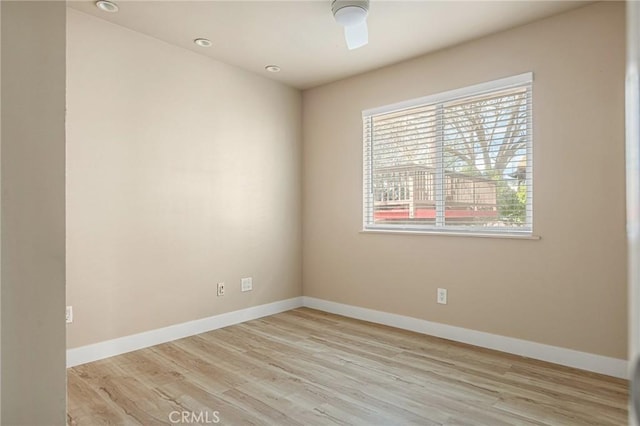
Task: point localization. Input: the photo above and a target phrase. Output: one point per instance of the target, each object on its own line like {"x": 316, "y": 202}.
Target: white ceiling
{"x": 304, "y": 40}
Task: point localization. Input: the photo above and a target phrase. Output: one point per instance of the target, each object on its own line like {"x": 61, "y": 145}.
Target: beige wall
{"x": 567, "y": 289}
{"x": 33, "y": 221}
{"x": 182, "y": 172}
{"x": 0, "y": 212}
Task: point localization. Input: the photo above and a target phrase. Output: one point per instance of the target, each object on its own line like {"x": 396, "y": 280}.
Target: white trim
{"x": 109, "y": 348}
{"x": 476, "y": 89}
{"x": 582, "y": 360}
{"x": 417, "y": 231}
{"x": 585, "y": 361}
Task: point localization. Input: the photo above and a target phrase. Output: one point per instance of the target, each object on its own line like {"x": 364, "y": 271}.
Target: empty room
{"x": 342, "y": 212}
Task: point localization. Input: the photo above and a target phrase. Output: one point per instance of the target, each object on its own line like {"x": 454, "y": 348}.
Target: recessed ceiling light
{"x": 272, "y": 68}
{"x": 203, "y": 42}
{"x": 107, "y": 6}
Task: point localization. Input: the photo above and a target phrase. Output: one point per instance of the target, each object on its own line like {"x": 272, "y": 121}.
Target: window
{"x": 455, "y": 162}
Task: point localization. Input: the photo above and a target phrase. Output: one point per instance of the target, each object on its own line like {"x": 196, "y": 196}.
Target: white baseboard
{"x": 134, "y": 342}
{"x": 585, "y": 361}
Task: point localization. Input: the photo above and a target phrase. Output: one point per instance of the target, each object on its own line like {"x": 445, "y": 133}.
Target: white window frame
{"x": 442, "y": 229}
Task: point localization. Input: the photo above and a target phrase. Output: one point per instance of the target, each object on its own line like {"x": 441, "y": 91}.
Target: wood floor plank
{"x": 306, "y": 367}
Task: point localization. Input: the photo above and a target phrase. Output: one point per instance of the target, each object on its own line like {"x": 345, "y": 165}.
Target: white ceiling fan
{"x": 352, "y": 15}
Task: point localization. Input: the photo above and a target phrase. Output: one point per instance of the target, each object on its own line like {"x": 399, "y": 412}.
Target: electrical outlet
{"x": 246, "y": 284}
{"x": 442, "y": 296}
{"x": 69, "y": 315}
{"x": 220, "y": 289}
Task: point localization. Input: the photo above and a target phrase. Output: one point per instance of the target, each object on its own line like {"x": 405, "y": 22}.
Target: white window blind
{"x": 459, "y": 161}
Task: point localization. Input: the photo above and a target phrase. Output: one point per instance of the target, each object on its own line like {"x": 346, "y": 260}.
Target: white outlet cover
{"x": 246, "y": 284}
{"x": 69, "y": 315}
{"x": 220, "y": 289}
{"x": 442, "y": 296}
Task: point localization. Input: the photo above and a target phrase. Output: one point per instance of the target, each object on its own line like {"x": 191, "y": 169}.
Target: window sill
{"x": 453, "y": 234}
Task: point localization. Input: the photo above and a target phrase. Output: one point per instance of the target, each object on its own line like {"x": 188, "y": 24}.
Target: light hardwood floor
{"x": 306, "y": 367}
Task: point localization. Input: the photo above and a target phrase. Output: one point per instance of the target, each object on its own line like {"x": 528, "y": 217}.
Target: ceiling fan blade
{"x": 356, "y": 35}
